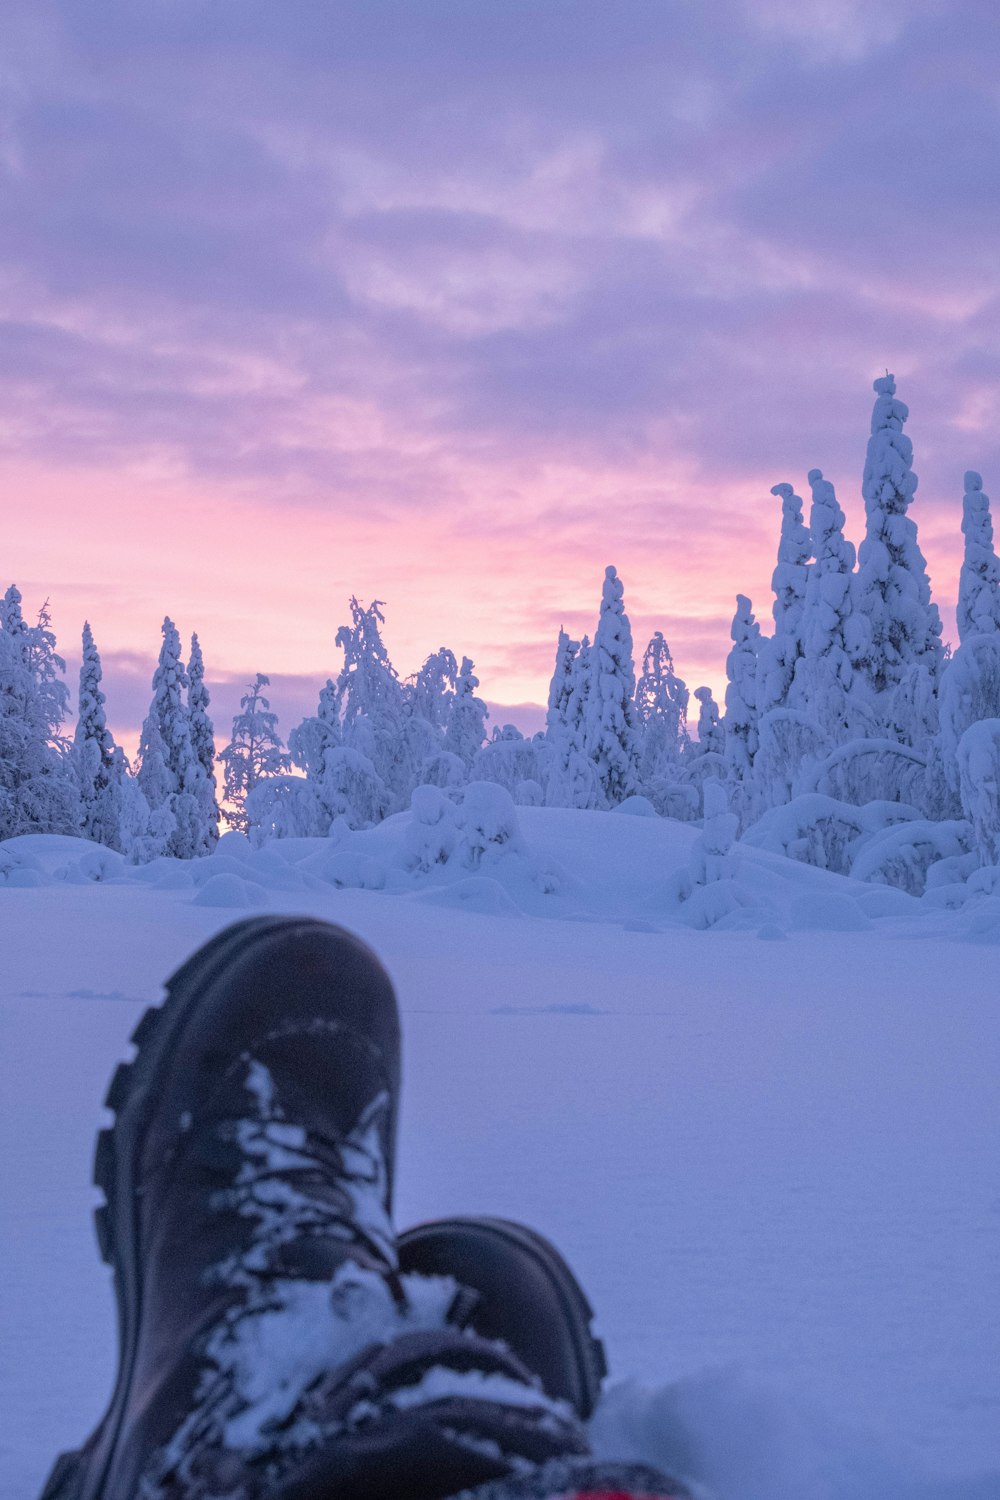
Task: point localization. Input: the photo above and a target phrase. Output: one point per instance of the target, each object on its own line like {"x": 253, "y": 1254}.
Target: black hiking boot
{"x": 520, "y": 1291}
{"x": 268, "y": 1346}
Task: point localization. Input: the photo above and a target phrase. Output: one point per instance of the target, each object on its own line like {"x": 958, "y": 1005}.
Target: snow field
{"x": 768, "y": 1149}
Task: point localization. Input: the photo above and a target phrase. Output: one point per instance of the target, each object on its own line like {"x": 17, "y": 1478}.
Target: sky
{"x": 450, "y": 303}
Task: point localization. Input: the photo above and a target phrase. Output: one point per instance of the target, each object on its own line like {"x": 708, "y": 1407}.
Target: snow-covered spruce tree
{"x": 48, "y": 669}
{"x": 254, "y": 753}
{"x": 571, "y": 778}
{"x": 970, "y": 691}
{"x": 741, "y": 690}
{"x": 371, "y": 703}
{"x": 38, "y": 787}
{"x": 902, "y": 639}
{"x": 94, "y": 754}
{"x": 467, "y": 715}
{"x": 711, "y": 731}
{"x": 166, "y": 736}
{"x": 979, "y": 580}
{"x": 779, "y": 653}
{"x": 825, "y": 686}
{"x": 661, "y": 705}
{"x": 203, "y": 741}
{"x": 153, "y": 827}
{"x": 433, "y": 688}
{"x": 560, "y": 686}
{"x": 611, "y": 738}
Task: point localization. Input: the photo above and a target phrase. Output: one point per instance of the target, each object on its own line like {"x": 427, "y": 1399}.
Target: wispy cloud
{"x": 453, "y": 305}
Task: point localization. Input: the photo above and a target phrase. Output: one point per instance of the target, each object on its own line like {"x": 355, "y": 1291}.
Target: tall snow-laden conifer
{"x": 778, "y": 654}
{"x": 467, "y": 716}
{"x": 254, "y": 753}
{"x": 571, "y": 776}
{"x": 560, "y": 686}
{"x": 711, "y": 733}
{"x": 434, "y": 687}
{"x": 611, "y": 739}
{"x": 38, "y": 788}
{"x": 979, "y": 581}
{"x": 741, "y": 690}
{"x": 371, "y": 703}
{"x": 902, "y": 638}
{"x": 203, "y": 742}
{"x": 166, "y": 739}
{"x": 825, "y": 686}
{"x": 661, "y": 704}
{"x": 94, "y": 754}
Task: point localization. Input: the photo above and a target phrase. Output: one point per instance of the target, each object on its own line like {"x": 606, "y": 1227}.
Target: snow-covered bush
{"x": 902, "y": 855}
{"x": 432, "y": 833}
{"x": 508, "y": 762}
{"x": 869, "y": 771}
{"x": 286, "y": 807}
{"x": 679, "y": 799}
{"x": 979, "y": 786}
{"x": 489, "y": 825}
{"x": 822, "y": 831}
{"x": 788, "y": 741}
{"x": 711, "y": 855}
{"x": 444, "y": 770}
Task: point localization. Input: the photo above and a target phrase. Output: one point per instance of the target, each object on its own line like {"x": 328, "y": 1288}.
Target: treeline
{"x": 852, "y": 701}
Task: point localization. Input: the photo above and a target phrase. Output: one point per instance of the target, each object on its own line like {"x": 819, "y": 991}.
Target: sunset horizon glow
{"x": 452, "y": 308}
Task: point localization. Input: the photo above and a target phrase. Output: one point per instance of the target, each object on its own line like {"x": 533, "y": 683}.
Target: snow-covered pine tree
{"x": 48, "y": 669}
{"x": 38, "y": 788}
{"x": 661, "y": 705}
{"x": 825, "y": 686}
{"x": 571, "y": 778}
{"x": 166, "y": 738}
{"x": 371, "y": 704}
{"x": 741, "y": 690}
{"x": 254, "y": 753}
{"x": 611, "y": 738}
{"x": 561, "y": 686}
{"x": 467, "y": 716}
{"x": 711, "y": 732}
{"x": 979, "y": 581}
{"x": 779, "y": 653}
{"x": 902, "y": 638}
{"x": 434, "y": 687}
{"x": 158, "y": 787}
{"x": 203, "y": 742}
{"x": 94, "y": 754}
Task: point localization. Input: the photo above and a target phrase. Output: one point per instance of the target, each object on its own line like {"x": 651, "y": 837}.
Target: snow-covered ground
{"x": 769, "y": 1148}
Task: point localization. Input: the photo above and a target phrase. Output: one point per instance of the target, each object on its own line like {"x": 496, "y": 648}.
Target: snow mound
{"x": 730, "y": 1440}
{"x": 230, "y": 891}
{"x": 477, "y": 893}
{"x": 827, "y": 913}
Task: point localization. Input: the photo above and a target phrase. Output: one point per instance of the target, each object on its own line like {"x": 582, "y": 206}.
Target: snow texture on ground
{"x": 768, "y": 1149}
